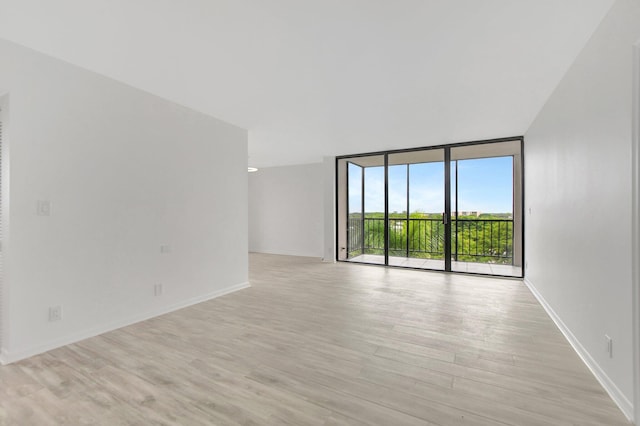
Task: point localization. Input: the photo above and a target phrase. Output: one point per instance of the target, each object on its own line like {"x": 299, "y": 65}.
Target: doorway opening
{"x": 454, "y": 208}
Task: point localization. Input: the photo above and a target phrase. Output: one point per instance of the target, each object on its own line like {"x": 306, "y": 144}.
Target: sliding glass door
{"x": 454, "y": 208}
{"x": 486, "y": 208}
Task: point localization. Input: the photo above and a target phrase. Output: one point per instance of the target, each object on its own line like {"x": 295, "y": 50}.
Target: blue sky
{"x": 484, "y": 185}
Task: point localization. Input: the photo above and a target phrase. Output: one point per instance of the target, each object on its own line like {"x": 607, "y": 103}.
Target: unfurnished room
{"x": 356, "y": 212}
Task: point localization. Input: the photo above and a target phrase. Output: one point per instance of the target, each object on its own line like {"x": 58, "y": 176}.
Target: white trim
{"x": 329, "y": 204}
{"x": 7, "y": 357}
{"x": 618, "y": 397}
{"x": 635, "y": 228}
{"x": 4, "y": 180}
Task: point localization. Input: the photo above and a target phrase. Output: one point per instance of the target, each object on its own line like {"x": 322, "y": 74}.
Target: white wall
{"x": 286, "y": 210}
{"x": 578, "y": 189}
{"x": 126, "y": 172}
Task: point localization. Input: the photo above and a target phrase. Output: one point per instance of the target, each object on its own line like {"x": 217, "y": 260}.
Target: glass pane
{"x": 426, "y": 203}
{"x": 483, "y": 231}
{"x": 486, "y": 187}
{"x": 354, "y": 231}
{"x": 374, "y": 214}
{"x": 416, "y": 232}
{"x": 398, "y": 210}
{"x": 483, "y": 198}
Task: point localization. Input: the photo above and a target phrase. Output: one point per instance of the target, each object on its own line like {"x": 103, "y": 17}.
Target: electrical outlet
{"x": 157, "y": 290}
{"x": 165, "y": 248}
{"x": 43, "y": 208}
{"x": 609, "y": 345}
{"x": 55, "y": 313}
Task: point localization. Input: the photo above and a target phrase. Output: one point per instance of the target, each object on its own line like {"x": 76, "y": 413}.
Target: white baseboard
{"x": 7, "y": 357}
{"x": 614, "y": 392}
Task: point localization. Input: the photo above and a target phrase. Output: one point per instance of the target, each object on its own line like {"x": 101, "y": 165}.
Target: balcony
{"x": 477, "y": 245}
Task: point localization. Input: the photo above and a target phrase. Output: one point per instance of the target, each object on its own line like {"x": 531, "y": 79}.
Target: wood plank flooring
{"x": 322, "y": 344}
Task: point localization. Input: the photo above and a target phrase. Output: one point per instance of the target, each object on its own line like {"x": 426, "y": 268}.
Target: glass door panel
{"x": 485, "y": 206}
{"x": 416, "y": 206}
{"x": 361, "y": 209}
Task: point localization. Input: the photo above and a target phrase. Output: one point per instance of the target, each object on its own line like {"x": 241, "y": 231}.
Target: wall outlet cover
{"x": 43, "y": 208}
{"x": 55, "y": 313}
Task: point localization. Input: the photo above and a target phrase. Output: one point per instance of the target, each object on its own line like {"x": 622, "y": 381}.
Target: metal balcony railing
{"x": 472, "y": 240}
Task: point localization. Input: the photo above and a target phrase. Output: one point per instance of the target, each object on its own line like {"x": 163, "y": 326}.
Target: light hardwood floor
{"x": 322, "y": 344}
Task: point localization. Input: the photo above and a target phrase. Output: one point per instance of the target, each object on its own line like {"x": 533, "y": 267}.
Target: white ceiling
{"x": 310, "y": 78}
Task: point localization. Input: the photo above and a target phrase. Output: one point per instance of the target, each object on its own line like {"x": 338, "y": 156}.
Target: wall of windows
{"x": 451, "y": 208}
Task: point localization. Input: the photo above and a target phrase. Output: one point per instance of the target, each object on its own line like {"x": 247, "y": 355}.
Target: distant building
{"x": 467, "y": 213}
